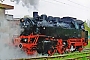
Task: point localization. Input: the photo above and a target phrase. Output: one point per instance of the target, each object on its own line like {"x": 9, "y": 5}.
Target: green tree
{"x": 87, "y": 28}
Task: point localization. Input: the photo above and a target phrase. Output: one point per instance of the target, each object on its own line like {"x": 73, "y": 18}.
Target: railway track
{"x": 86, "y": 49}
{"x": 84, "y": 55}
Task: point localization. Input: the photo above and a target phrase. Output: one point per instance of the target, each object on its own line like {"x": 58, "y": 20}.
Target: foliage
{"x": 87, "y": 28}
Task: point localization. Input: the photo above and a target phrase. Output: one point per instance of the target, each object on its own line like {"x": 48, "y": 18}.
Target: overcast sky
{"x": 75, "y": 8}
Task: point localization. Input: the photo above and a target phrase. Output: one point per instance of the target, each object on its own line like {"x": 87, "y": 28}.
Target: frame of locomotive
{"x": 49, "y": 38}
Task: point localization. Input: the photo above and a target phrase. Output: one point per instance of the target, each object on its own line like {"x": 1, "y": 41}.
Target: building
{"x": 4, "y": 24}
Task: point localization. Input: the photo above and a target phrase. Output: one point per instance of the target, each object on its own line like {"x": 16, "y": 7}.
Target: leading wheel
{"x": 51, "y": 52}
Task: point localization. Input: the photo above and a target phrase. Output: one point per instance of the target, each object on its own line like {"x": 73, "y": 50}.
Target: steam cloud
{"x": 29, "y": 3}
{"x": 8, "y": 51}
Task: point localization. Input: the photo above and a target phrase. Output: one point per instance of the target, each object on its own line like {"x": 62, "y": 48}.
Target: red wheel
{"x": 60, "y": 51}
{"x": 51, "y": 52}
{"x": 80, "y": 49}
{"x": 30, "y": 52}
{"x": 34, "y": 52}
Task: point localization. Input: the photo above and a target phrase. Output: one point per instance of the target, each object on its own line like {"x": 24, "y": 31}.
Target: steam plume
{"x": 29, "y": 3}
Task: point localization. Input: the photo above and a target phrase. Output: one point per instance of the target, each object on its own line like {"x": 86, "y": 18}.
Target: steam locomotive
{"x": 48, "y": 35}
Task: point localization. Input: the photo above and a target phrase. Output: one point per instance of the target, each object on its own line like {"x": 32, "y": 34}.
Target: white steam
{"x": 7, "y": 49}
{"x": 28, "y": 3}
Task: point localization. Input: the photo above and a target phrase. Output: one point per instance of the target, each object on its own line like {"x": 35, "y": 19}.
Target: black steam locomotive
{"x": 47, "y": 35}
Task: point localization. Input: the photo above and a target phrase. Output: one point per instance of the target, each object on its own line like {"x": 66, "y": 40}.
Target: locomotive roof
{"x": 68, "y": 18}
{"x": 79, "y": 21}
{"x": 5, "y": 6}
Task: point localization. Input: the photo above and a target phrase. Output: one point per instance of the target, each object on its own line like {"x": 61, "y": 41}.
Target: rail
{"x": 84, "y": 55}
{"x": 72, "y": 56}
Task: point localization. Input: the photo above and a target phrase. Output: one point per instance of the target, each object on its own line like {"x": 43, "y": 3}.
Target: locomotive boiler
{"x": 48, "y": 35}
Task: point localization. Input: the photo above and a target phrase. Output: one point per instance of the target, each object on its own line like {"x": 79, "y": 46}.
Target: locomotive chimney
{"x": 44, "y": 16}
{"x": 35, "y": 14}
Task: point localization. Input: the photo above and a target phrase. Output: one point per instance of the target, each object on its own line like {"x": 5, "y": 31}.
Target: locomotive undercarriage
{"x": 42, "y": 44}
